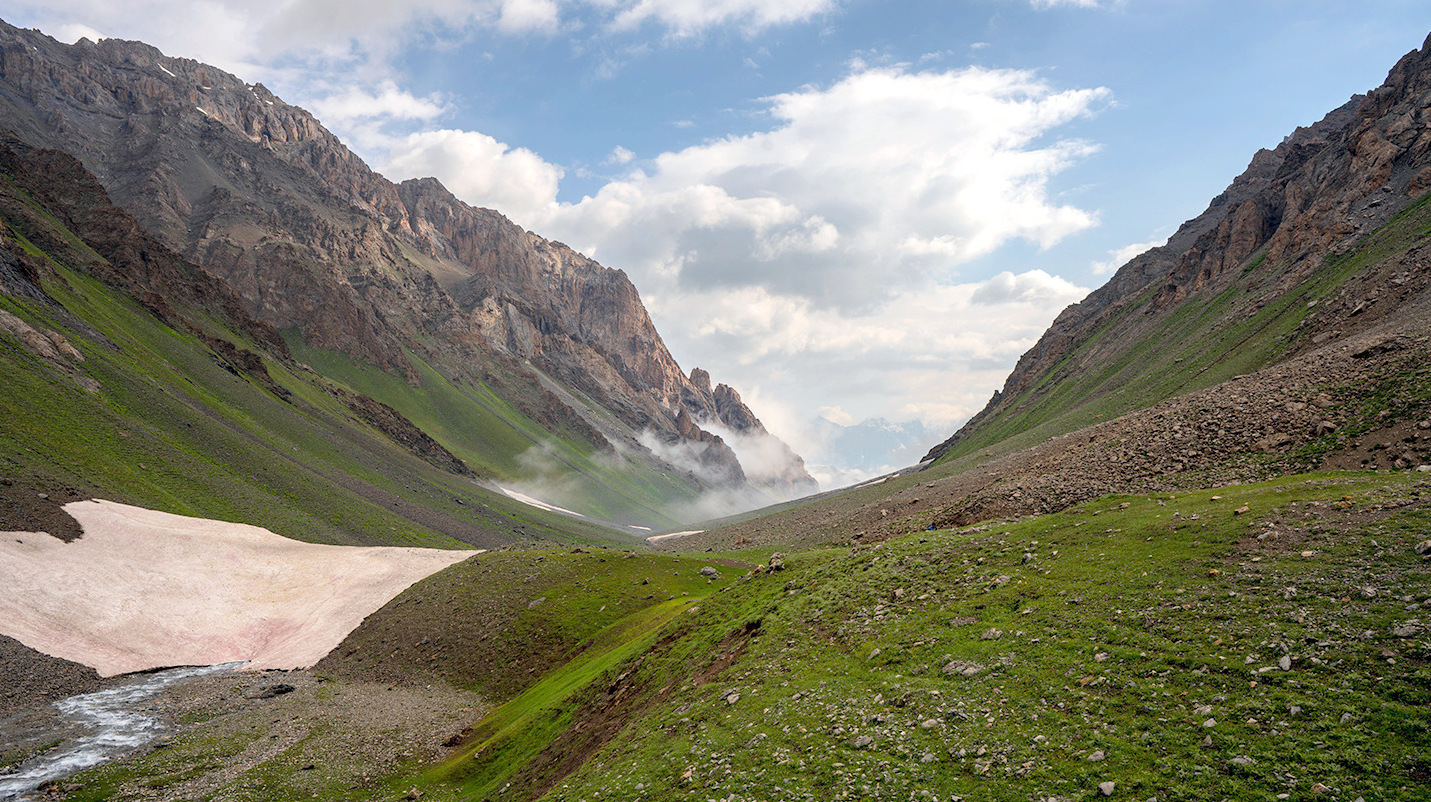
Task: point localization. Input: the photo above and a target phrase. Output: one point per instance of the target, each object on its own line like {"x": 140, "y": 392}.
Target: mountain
{"x": 1260, "y": 277}
{"x": 357, "y": 271}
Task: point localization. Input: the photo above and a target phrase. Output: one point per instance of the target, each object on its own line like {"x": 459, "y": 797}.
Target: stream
{"x": 115, "y": 721}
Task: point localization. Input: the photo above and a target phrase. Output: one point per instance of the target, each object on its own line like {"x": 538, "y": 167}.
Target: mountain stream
{"x": 115, "y": 721}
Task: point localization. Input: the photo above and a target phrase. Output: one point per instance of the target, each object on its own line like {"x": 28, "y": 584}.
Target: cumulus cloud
{"x": 1120, "y": 256}
{"x": 853, "y": 192}
{"x": 620, "y": 155}
{"x": 1035, "y": 285}
{"x": 933, "y": 352}
{"x": 1045, "y": 4}
{"x": 480, "y": 170}
{"x": 689, "y": 17}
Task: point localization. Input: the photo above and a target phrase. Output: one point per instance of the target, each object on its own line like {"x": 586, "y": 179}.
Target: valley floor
{"x": 1240, "y": 642}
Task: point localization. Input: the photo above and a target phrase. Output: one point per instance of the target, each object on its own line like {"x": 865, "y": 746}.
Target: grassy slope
{"x": 528, "y": 632}
{"x": 1124, "y": 624}
{"x": 173, "y": 430}
{"x": 495, "y": 438}
{"x": 1203, "y": 342}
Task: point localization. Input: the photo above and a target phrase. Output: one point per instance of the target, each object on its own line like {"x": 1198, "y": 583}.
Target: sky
{"x": 841, "y": 208}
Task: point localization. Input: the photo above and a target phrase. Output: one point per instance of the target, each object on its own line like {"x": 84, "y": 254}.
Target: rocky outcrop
{"x": 260, "y": 194}
{"x": 1316, "y": 194}
{"x": 404, "y": 432}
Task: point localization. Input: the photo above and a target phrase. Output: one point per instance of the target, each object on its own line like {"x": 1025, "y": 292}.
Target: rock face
{"x": 1268, "y": 234}
{"x": 260, "y": 194}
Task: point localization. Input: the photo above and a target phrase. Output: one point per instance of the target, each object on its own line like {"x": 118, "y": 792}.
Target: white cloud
{"x": 1032, "y": 287}
{"x": 854, "y": 192}
{"x": 384, "y": 101}
{"x": 690, "y": 17}
{"x": 933, "y": 352}
{"x": 620, "y": 155}
{"x": 480, "y": 170}
{"x": 1045, "y": 4}
{"x": 1120, "y": 256}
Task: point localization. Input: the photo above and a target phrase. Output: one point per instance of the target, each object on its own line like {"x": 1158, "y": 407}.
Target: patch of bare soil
{"x": 289, "y": 735}
{"x": 26, "y": 507}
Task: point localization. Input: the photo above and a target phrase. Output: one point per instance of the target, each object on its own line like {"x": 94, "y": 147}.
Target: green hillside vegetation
{"x": 494, "y": 437}
{"x": 172, "y": 427}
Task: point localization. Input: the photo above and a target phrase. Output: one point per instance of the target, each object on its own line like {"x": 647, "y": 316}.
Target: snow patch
{"x": 533, "y": 502}
{"x": 143, "y": 589}
{"x": 670, "y": 535}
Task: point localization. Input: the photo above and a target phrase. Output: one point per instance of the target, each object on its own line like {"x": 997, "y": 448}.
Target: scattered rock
{"x": 1242, "y": 760}
{"x": 1406, "y": 629}
{"x": 1107, "y": 788}
{"x": 1285, "y": 663}
{"x": 860, "y": 742}
{"x": 1096, "y": 756}
{"x": 275, "y": 690}
{"x": 777, "y": 562}
{"x": 991, "y": 634}
{"x": 710, "y": 572}
{"x": 1424, "y": 547}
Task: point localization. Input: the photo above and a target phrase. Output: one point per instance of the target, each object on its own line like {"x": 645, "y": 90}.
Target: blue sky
{"x": 840, "y": 207}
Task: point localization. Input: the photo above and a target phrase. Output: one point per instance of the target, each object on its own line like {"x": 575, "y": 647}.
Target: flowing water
{"x": 115, "y": 722}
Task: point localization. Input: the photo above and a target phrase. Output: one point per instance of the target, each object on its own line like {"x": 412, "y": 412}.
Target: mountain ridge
{"x": 260, "y": 194}
{"x": 1309, "y": 197}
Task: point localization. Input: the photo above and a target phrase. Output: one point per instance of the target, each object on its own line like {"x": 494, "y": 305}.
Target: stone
{"x": 1096, "y": 755}
{"x": 1242, "y": 760}
{"x": 1210, "y": 723}
{"x": 991, "y": 634}
{"x": 777, "y": 562}
{"x": 710, "y": 572}
{"x": 929, "y": 724}
{"x": 861, "y": 741}
{"x": 1285, "y": 663}
{"x": 1107, "y": 788}
{"x": 1406, "y": 629}
{"x": 1424, "y": 547}
{"x": 928, "y": 757}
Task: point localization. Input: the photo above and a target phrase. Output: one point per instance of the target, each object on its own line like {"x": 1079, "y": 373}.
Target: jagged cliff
{"x": 1273, "y": 231}
{"x": 260, "y": 194}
